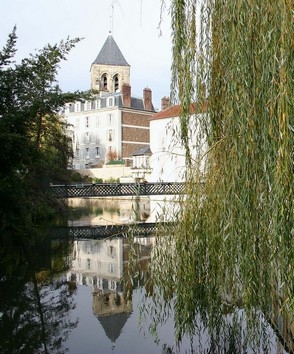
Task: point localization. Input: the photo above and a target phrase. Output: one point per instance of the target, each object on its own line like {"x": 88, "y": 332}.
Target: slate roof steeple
{"x": 110, "y": 54}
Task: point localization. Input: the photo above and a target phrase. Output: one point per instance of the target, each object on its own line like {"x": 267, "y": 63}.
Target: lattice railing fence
{"x": 81, "y": 190}
{"x": 100, "y": 232}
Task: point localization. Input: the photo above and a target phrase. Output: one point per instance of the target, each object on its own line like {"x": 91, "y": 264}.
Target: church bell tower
{"x": 110, "y": 70}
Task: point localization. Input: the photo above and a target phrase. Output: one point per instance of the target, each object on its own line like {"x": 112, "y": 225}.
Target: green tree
{"x": 233, "y": 245}
{"x": 34, "y": 145}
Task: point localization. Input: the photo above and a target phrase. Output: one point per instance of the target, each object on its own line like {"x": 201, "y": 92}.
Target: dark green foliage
{"x": 115, "y": 162}
{"x": 34, "y": 146}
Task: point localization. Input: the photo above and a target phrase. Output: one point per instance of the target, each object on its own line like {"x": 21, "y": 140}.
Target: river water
{"x": 89, "y": 296}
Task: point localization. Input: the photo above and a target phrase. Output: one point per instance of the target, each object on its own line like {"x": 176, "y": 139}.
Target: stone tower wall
{"x": 97, "y": 71}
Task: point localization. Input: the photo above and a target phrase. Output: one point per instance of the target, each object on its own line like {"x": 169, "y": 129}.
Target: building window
{"x": 104, "y": 82}
{"x": 115, "y": 83}
{"x": 97, "y": 152}
{"x": 87, "y": 153}
{"x": 112, "y": 285}
{"x": 110, "y": 118}
{"x": 88, "y": 105}
{"x": 87, "y": 122}
{"x": 77, "y": 153}
{"x": 87, "y": 138}
{"x": 111, "y": 268}
{"x": 110, "y": 101}
{"x": 110, "y": 135}
{"x": 111, "y": 251}
{"x": 99, "y": 283}
{"x": 88, "y": 263}
{"x": 71, "y": 107}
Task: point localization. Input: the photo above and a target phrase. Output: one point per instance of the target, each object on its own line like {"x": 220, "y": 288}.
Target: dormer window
{"x": 88, "y": 105}
{"x": 110, "y": 102}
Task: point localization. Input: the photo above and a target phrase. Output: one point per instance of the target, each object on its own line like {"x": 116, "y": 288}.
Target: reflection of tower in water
{"x": 101, "y": 264}
{"x": 134, "y": 209}
{"x": 112, "y": 311}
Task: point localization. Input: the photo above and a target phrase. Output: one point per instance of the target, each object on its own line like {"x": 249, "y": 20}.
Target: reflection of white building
{"x": 100, "y": 265}
{"x": 168, "y": 162}
{"x": 94, "y": 261}
{"x": 164, "y": 208}
{"x": 135, "y": 209}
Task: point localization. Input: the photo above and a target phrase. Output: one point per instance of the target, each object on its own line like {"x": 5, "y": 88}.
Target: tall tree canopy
{"x": 34, "y": 145}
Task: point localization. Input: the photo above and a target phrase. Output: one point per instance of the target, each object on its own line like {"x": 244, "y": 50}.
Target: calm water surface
{"x": 109, "y": 313}
{"x": 83, "y": 296}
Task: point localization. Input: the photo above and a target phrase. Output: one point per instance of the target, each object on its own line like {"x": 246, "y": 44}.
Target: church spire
{"x": 110, "y": 54}
{"x": 110, "y": 70}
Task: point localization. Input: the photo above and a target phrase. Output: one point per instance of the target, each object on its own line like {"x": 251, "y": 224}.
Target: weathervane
{"x": 113, "y": 3}
{"x": 116, "y": 2}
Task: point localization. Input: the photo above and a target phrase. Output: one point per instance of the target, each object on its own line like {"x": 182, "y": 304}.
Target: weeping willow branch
{"x": 235, "y": 237}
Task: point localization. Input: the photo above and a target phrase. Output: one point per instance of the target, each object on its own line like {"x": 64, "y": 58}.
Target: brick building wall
{"x": 135, "y": 131}
{"x": 136, "y": 118}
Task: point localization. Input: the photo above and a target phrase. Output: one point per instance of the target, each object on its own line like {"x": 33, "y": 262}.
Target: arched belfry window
{"x": 104, "y": 82}
{"x": 115, "y": 83}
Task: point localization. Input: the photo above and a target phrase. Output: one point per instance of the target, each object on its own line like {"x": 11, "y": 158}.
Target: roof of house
{"x": 143, "y": 151}
{"x": 110, "y": 54}
{"x": 136, "y": 102}
{"x": 174, "y": 111}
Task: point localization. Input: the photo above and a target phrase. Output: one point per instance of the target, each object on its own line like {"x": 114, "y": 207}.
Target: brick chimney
{"x": 147, "y": 97}
{"x": 165, "y": 102}
{"x": 126, "y": 95}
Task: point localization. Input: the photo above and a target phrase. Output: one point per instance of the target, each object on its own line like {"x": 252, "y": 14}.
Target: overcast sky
{"x": 134, "y": 26}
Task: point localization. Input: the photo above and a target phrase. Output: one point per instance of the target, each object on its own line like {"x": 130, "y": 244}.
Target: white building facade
{"x": 95, "y": 130}
{"x": 168, "y": 159}
{"x": 113, "y": 123}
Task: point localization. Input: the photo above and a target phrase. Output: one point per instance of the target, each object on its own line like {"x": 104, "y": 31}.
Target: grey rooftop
{"x": 110, "y": 54}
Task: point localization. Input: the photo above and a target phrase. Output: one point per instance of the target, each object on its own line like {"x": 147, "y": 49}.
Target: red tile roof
{"x": 174, "y": 111}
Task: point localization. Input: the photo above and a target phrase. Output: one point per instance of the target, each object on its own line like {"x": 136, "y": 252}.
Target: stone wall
{"x": 107, "y": 173}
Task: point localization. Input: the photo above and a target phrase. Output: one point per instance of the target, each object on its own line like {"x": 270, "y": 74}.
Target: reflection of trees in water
{"x": 86, "y": 206}
{"x": 234, "y": 242}
{"x": 111, "y": 210}
{"x": 35, "y": 309}
{"x": 204, "y": 309}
